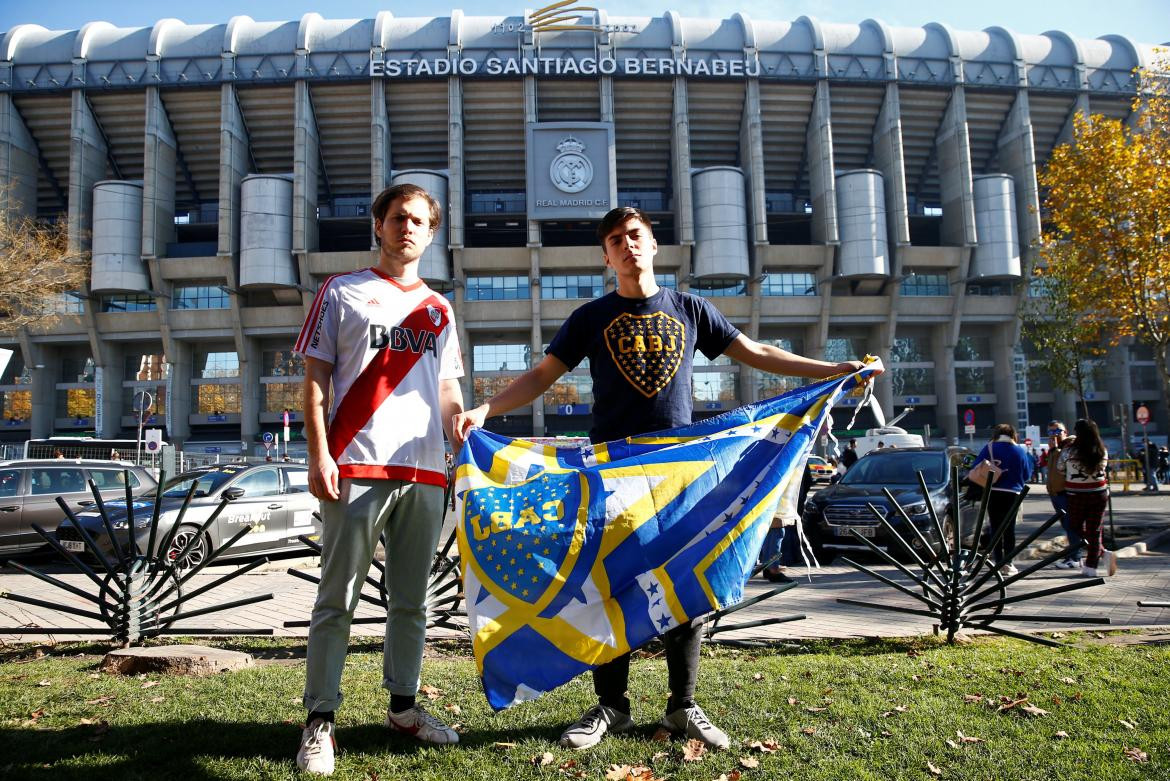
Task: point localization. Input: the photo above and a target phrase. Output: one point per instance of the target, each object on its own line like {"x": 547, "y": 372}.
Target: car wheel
{"x": 199, "y": 550}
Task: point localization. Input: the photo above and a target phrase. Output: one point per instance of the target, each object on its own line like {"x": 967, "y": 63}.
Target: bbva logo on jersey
{"x": 402, "y": 339}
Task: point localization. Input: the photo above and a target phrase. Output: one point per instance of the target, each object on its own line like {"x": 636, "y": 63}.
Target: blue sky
{"x": 1146, "y": 21}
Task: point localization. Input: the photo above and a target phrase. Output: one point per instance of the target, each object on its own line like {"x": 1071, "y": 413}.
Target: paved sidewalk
{"x": 1145, "y": 577}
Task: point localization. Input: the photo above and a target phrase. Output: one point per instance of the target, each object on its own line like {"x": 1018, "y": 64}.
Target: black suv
{"x": 833, "y": 513}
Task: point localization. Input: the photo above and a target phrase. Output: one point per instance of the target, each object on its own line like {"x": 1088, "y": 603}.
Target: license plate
{"x": 75, "y": 546}
{"x": 864, "y": 531}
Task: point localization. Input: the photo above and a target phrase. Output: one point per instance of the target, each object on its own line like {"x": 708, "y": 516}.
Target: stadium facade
{"x": 838, "y": 189}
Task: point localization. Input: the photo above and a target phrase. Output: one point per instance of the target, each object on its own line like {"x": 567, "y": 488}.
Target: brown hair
{"x": 406, "y": 192}
{"x": 618, "y": 216}
{"x": 1004, "y": 430}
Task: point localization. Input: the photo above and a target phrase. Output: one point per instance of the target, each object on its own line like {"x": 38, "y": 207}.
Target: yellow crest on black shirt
{"x": 648, "y": 349}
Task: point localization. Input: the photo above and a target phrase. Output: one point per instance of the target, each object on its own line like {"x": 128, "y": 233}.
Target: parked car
{"x": 832, "y": 514}
{"x": 273, "y": 499}
{"x": 822, "y": 470}
{"x": 29, "y": 489}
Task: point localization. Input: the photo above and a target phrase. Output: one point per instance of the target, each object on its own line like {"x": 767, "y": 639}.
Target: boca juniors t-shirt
{"x": 640, "y": 353}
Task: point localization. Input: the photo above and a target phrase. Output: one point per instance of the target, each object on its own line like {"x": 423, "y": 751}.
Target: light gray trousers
{"x": 411, "y": 515}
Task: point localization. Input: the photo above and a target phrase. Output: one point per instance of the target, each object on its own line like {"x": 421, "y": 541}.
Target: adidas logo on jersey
{"x": 373, "y": 302}
{"x": 402, "y": 339}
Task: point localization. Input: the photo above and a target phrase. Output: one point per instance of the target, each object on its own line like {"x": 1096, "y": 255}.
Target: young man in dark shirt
{"x": 640, "y": 341}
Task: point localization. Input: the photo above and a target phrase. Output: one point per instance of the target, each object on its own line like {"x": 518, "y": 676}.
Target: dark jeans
{"x": 611, "y": 679}
{"x": 999, "y": 504}
{"x": 1071, "y": 530}
{"x": 1086, "y": 511}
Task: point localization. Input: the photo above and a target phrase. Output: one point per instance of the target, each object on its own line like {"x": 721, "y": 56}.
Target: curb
{"x": 1039, "y": 550}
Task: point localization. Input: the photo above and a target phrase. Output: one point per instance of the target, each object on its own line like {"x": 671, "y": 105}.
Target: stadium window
{"x": 668, "y": 281}
{"x": 497, "y": 288}
{"x": 200, "y": 297}
{"x": 127, "y": 302}
{"x": 720, "y": 288}
{"x": 788, "y": 283}
{"x": 560, "y": 286}
{"x": 925, "y": 285}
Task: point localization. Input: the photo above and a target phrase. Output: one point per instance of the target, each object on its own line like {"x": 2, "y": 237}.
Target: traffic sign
{"x": 267, "y": 438}
{"x": 1142, "y": 415}
{"x": 969, "y": 417}
{"x": 969, "y": 428}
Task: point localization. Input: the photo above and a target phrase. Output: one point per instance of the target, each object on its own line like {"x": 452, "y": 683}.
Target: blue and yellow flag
{"x": 572, "y": 557}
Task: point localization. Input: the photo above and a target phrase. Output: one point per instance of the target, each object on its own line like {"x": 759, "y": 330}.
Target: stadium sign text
{"x": 419, "y": 67}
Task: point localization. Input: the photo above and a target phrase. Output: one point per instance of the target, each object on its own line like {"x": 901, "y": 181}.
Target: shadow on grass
{"x": 184, "y": 750}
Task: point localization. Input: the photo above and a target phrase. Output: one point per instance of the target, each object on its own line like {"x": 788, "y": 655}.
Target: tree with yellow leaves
{"x": 36, "y": 268}
{"x": 1106, "y": 244}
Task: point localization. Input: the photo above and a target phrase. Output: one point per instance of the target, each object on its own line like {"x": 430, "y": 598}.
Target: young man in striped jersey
{"x": 387, "y": 345}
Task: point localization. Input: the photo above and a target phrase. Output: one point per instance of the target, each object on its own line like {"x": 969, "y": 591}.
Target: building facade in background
{"x": 838, "y": 190}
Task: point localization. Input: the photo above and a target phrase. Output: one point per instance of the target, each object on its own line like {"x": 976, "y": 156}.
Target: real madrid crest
{"x": 571, "y": 171}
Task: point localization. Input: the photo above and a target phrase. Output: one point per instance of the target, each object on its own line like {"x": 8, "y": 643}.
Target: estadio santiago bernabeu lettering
{"x": 402, "y": 339}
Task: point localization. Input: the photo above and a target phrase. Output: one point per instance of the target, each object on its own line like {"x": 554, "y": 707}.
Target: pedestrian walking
{"x": 1081, "y": 472}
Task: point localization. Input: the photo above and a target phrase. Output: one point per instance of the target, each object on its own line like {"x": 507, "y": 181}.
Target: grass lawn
{"x": 856, "y": 710}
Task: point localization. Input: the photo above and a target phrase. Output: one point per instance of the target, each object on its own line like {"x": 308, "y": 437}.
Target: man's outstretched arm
{"x": 522, "y": 390}
{"x": 777, "y": 361}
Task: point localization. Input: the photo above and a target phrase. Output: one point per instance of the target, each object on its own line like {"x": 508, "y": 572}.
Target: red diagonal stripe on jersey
{"x": 379, "y": 379}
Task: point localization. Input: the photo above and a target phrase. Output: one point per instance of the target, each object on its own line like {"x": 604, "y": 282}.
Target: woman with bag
{"x": 1081, "y": 473}
{"x": 1008, "y": 467}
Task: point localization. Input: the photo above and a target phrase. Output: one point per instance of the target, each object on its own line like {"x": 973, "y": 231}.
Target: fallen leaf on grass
{"x": 758, "y": 677}
{"x": 150, "y": 684}
{"x": 694, "y": 750}
{"x": 1067, "y": 680}
{"x": 1127, "y": 724}
{"x": 1032, "y": 710}
{"x": 934, "y": 771}
{"x": 617, "y": 772}
{"x": 901, "y": 708}
{"x": 968, "y": 738}
{"x": 765, "y": 746}
{"x": 106, "y": 700}
{"x": 732, "y": 776}
{"x": 661, "y": 735}
{"x": 1009, "y": 703}
{"x": 45, "y": 682}
{"x": 157, "y": 700}
{"x": 453, "y": 708}
{"x": 749, "y": 762}
{"x": 659, "y": 755}
{"x": 99, "y": 675}
{"x": 973, "y": 698}
{"x": 792, "y": 701}
{"x": 540, "y": 760}
{"x": 502, "y": 746}
{"x": 1136, "y": 755}
{"x": 863, "y": 733}
{"x": 1061, "y": 735}
{"x": 812, "y": 709}
{"x": 952, "y": 743}
{"x": 432, "y": 692}
{"x": 809, "y": 730}
{"x": 886, "y": 733}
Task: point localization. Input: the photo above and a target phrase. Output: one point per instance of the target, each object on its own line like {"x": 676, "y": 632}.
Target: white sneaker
{"x": 317, "y": 748}
{"x": 1108, "y": 563}
{"x": 1067, "y": 564}
{"x": 1009, "y": 570}
{"x": 594, "y": 723}
{"x": 422, "y": 725}
{"x": 1089, "y": 572}
{"x": 693, "y": 723}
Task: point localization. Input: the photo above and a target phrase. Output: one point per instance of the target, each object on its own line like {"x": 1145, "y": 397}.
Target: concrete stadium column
{"x": 379, "y": 142}
{"x": 680, "y": 156}
{"x": 822, "y": 183}
{"x": 45, "y": 371}
{"x": 306, "y": 171}
{"x": 455, "y": 159}
{"x": 180, "y": 361}
{"x": 535, "y": 337}
{"x": 881, "y": 344}
{"x": 1003, "y": 348}
{"x": 19, "y": 162}
{"x": 946, "y": 392}
{"x": 250, "y": 390}
{"x": 160, "y": 156}
{"x": 953, "y": 147}
{"x": 1017, "y": 156}
{"x": 235, "y": 161}
{"x": 751, "y": 153}
{"x": 888, "y": 158}
{"x": 88, "y": 160}
{"x": 1119, "y": 379}
{"x": 111, "y": 390}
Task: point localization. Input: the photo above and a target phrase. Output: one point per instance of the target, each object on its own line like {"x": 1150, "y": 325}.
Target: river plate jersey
{"x": 640, "y": 355}
{"x": 389, "y": 345}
